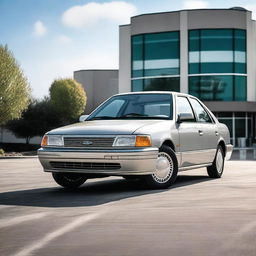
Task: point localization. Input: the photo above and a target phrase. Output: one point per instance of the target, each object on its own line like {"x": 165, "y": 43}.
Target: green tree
{"x": 36, "y": 120}
{"x": 14, "y": 87}
{"x": 68, "y": 98}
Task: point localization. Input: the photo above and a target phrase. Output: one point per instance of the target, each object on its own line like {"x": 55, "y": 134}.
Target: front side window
{"x": 135, "y": 106}
{"x": 201, "y": 114}
{"x": 183, "y": 106}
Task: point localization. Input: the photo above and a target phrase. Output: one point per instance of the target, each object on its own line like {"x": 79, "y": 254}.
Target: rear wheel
{"x": 166, "y": 169}
{"x": 69, "y": 180}
{"x": 217, "y": 167}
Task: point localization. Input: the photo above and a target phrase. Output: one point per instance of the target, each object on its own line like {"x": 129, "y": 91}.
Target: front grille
{"x": 88, "y": 142}
{"x": 85, "y": 166}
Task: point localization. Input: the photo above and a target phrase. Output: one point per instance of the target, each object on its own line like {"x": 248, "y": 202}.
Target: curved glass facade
{"x": 156, "y": 61}
{"x": 217, "y": 51}
{"x": 218, "y": 87}
{"x": 222, "y": 53}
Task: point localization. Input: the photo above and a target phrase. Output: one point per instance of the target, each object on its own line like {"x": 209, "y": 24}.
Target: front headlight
{"x": 132, "y": 141}
{"x": 52, "y": 140}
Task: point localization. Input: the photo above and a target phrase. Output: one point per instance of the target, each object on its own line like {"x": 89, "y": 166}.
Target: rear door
{"x": 190, "y": 140}
{"x": 207, "y": 130}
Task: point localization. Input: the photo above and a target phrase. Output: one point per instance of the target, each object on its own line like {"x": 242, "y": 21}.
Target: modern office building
{"x": 209, "y": 53}
{"x": 99, "y": 85}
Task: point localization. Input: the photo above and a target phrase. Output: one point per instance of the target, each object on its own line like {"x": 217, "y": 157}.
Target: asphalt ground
{"x": 115, "y": 217}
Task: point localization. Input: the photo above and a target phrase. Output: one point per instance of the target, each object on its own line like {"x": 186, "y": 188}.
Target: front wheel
{"x": 217, "y": 167}
{"x": 166, "y": 169}
{"x": 69, "y": 180}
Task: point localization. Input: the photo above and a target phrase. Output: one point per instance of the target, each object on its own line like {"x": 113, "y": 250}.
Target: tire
{"x": 217, "y": 167}
{"x": 166, "y": 170}
{"x": 69, "y": 180}
{"x": 130, "y": 177}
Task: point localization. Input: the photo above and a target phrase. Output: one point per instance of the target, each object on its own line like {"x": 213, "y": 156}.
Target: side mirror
{"x": 183, "y": 117}
{"x": 82, "y": 118}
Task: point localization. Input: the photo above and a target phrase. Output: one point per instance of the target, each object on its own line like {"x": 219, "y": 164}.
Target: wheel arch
{"x": 223, "y": 146}
{"x": 170, "y": 144}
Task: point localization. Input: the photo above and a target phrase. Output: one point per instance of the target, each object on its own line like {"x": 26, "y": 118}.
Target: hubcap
{"x": 219, "y": 161}
{"x": 164, "y": 168}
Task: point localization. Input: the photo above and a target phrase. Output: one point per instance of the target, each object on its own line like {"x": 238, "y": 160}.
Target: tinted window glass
{"x": 218, "y": 88}
{"x": 201, "y": 114}
{"x": 136, "y": 106}
{"x": 156, "y": 84}
{"x": 162, "y": 84}
{"x": 111, "y": 109}
{"x": 155, "y": 54}
{"x": 137, "y": 56}
{"x": 217, "y": 51}
{"x": 183, "y": 106}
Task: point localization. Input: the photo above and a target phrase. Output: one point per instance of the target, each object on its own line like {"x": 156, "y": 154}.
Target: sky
{"x": 52, "y": 38}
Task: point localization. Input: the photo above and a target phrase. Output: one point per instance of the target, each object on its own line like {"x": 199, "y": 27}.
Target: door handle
{"x": 217, "y": 133}
{"x": 200, "y": 132}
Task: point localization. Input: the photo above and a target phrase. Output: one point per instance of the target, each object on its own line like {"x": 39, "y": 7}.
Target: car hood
{"x": 104, "y": 127}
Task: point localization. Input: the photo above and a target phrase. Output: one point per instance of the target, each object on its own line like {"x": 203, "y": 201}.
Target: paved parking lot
{"x": 115, "y": 217}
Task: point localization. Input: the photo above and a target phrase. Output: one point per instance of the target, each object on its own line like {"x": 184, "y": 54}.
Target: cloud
{"x": 63, "y": 39}
{"x": 39, "y": 28}
{"x": 251, "y": 7}
{"x": 91, "y": 13}
{"x": 195, "y": 4}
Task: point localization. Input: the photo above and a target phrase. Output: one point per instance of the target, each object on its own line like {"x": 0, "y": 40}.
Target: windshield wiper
{"x": 101, "y": 117}
{"x": 133, "y": 115}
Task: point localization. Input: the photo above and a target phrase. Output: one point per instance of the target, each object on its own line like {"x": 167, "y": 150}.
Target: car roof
{"x": 155, "y": 92}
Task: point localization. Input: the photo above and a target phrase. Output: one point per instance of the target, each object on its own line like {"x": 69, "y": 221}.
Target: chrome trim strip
{"x": 198, "y": 151}
{"x": 194, "y": 167}
{"x": 49, "y": 150}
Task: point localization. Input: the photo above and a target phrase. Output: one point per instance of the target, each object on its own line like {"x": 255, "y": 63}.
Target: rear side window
{"x": 201, "y": 113}
{"x": 183, "y": 106}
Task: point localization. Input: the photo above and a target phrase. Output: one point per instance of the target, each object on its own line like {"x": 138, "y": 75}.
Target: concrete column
{"x": 184, "y": 52}
{"x": 124, "y": 79}
{"x": 251, "y": 56}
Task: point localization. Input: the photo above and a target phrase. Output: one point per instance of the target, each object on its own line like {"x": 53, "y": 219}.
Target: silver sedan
{"x": 146, "y": 135}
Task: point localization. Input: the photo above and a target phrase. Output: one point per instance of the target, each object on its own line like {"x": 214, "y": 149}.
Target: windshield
{"x": 135, "y": 106}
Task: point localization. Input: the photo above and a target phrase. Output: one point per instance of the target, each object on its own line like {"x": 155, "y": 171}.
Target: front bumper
{"x": 229, "y": 150}
{"x": 132, "y": 162}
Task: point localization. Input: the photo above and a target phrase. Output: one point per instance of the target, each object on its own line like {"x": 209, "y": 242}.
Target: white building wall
{"x": 184, "y": 51}
{"x": 124, "y": 79}
{"x": 251, "y": 58}
{"x": 98, "y": 84}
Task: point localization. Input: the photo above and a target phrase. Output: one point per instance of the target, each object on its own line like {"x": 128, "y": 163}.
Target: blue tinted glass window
{"x": 162, "y": 84}
{"x": 137, "y": 56}
{"x": 217, "y": 51}
{"x": 155, "y": 54}
{"x": 240, "y": 88}
{"x": 218, "y": 88}
{"x": 194, "y": 40}
{"x": 216, "y": 39}
{"x": 240, "y": 40}
{"x": 137, "y": 85}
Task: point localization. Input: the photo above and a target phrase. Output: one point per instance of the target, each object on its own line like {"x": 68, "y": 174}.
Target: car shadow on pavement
{"x": 91, "y": 194}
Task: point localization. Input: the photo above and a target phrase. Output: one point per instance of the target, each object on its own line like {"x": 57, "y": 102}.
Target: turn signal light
{"x": 44, "y": 141}
{"x": 143, "y": 141}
